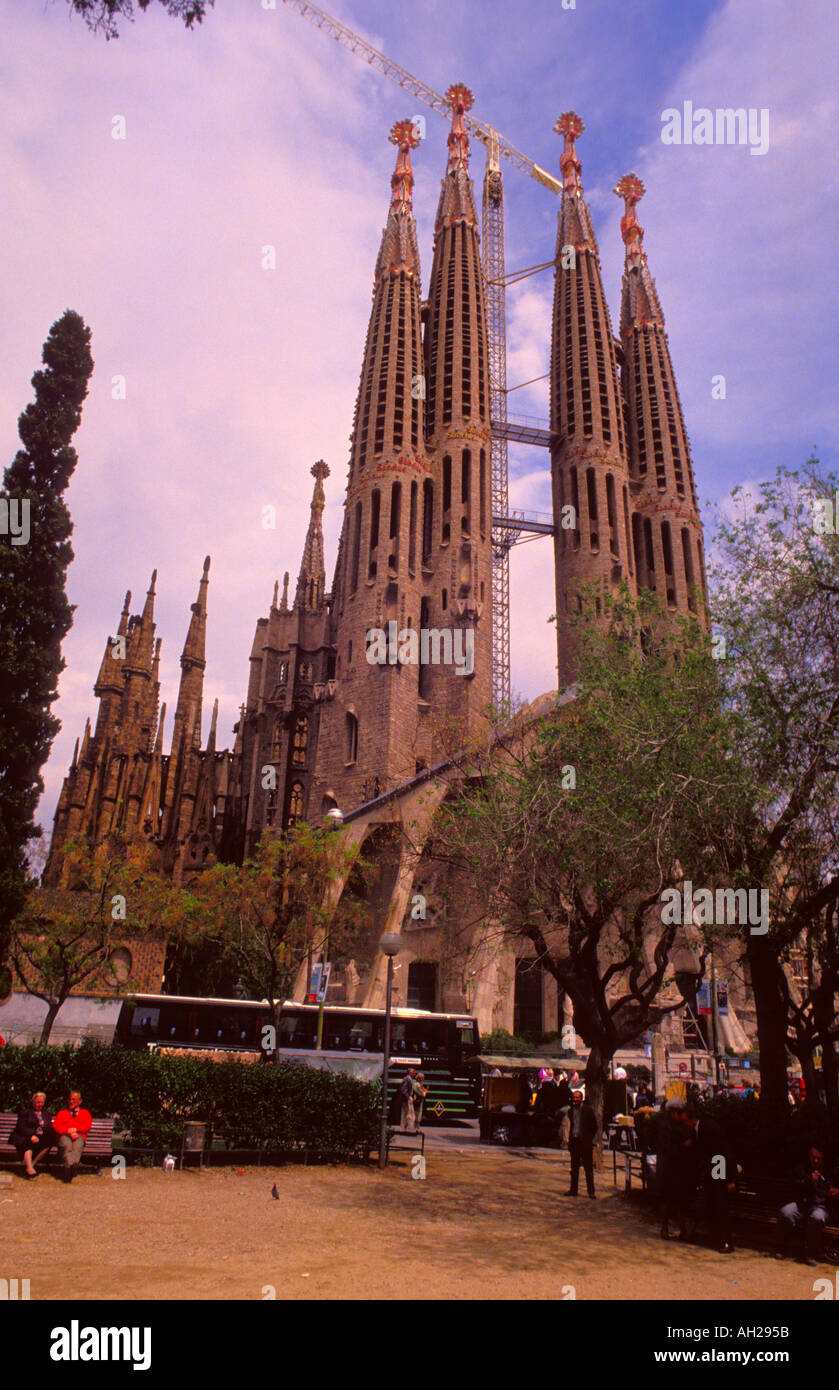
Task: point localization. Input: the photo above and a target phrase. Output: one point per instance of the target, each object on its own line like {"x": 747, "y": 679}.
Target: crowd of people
{"x": 696, "y": 1170}
{"x": 36, "y": 1132}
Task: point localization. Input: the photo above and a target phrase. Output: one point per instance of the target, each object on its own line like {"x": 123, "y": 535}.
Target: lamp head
{"x": 391, "y": 943}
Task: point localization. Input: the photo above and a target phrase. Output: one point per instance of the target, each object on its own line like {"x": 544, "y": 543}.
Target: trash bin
{"x": 194, "y": 1140}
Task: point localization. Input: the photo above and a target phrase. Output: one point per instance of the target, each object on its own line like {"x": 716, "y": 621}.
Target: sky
{"x": 256, "y": 129}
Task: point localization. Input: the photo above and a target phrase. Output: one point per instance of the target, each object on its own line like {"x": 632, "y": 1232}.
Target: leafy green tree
{"x": 776, "y": 605}
{"x": 263, "y": 920}
{"x": 66, "y": 937}
{"x": 576, "y": 820}
{"x": 103, "y": 16}
{"x": 35, "y": 615}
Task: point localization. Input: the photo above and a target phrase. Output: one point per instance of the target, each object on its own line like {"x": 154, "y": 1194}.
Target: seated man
{"x": 33, "y": 1133}
{"x": 72, "y": 1125}
{"x": 809, "y": 1210}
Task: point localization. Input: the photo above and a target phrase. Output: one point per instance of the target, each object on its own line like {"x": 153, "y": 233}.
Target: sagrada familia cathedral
{"x": 322, "y": 727}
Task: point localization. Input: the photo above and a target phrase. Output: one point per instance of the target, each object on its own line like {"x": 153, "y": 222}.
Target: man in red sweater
{"x": 71, "y": 1126}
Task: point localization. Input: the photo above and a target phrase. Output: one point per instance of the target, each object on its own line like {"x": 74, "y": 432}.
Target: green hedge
{"x": 272, "y": 1108}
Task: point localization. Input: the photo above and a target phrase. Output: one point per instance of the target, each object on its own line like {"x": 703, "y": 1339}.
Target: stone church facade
{"x": 321, "y": 726}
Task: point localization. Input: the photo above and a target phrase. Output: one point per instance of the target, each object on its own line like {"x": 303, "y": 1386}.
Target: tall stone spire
{"x": 588, "y": 454}
{"x": 456, "y": 531}
{"x": 377, "y": 575}
{"x": 193, "y": 663}
{"x": 666, "y": 530}
{"x": 110, "y": 682}
{"x": 311, "y": 581}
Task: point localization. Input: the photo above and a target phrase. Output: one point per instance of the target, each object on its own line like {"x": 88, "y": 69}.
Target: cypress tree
{"x": 35, "y": 616}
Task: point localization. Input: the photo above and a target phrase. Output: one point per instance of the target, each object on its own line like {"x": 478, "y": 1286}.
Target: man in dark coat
{"x": 808, "y": 1212}
{"x": 33, "y": 1133}
{"x": 715, "y": 1170}
{"x": 581, "y": 1144}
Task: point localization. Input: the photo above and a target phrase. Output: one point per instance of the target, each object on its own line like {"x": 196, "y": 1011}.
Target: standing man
{"x": 72, "y": 1127}
{"x": 407, "y": 1091}
{"x": 581, "y": 1144}
{"x": 716, "y": 1170}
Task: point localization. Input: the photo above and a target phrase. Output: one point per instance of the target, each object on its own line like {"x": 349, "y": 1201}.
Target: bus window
{"x": 144, "y": 1022}
{"x": 428, "y": 1037}
{"x": 361, "y": 1036}
{"x": 398, "y": 1041}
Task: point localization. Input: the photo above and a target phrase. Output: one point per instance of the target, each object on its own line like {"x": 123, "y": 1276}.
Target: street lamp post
{"x": 334, "y": 819}
{"x": 390, "y": 946}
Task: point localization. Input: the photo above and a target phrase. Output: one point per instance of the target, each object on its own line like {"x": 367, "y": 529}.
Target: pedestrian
{"x": 33, "y": 1133}
{"x": 406, "y": 1091}
{"x": 675, "y": 1169}
{"x": 581, "y": 1144}
{"x": 808, "y": 1211}
{"x": 644, "y": 1097}
{"x": 715, "y": 1168}
{"x": 420, "y": 1092}
{"x": 72, "y": 1127}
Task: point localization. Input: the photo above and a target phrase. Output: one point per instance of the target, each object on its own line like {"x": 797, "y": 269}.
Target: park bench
{"x": 416, "y": 1138}
{"x": 97, "y": 1144}
{"x": 755, "y": 1206}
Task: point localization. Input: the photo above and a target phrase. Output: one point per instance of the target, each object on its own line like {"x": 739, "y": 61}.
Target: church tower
{"x": 666, "y": 530}
{"x": 291, "y": 676}
{"x": 589, "y": 467}
{"x": 457, "y": 522}
{"x": 374, "y": 734}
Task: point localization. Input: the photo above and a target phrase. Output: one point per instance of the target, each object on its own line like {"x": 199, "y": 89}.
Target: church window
{"x": 271, "y": 808}
{"x": 295, "y": 803}
{"x": 395, "y": 517}
{"x": 412, "y": 528}
{"x": 482, "y": 502}
{"x": 447, "y": 499}
{"x": 466, "y": 491}
{"x": 301, "y": 741}
{"x": 276, "y": 741}
{"x": 427, "y": 520}
{"x": 374, "y": 532}
{"x": 352, "y": 738}
{"x": 283, "y": 677}
{"x": 305, "y": 671}
{"x": 356, "y": 545}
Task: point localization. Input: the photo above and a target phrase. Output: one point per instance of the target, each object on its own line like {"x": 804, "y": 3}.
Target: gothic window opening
{"x": 301, "y": 742}
{"x": 669, "y": 578}
{"x": 374, "y": 532}
{"x": 395, "y": 518}
{"x": 356, "y": 547}
{"x": 295, "y": 803}
{"x": 352, "y": 738}
{"x": 427, "y": 520}
{"x": 466, "y": 492}
{"x": 482, "y": 478}
{"x": 412, "y": 528}
{"x": 591, "y": 489}
{"x": 276, "y": 741}
{"x": 447, "y": 499}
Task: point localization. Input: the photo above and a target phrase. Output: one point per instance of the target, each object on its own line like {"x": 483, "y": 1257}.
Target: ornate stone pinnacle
{"x": 404, "y": 133}
{"x": 570, "y": 125}
{"x": 460, "y": 97}
{"x": 632, "y": 190}
{"x": 320, "y": 470}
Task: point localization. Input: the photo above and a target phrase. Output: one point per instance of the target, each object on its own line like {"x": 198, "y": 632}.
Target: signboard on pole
{"x": 703, "y": 998}
{"x": 319, "y": 982}
{"x": 722, "y": 1000}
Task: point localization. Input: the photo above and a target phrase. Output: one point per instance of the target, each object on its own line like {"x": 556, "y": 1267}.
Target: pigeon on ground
{"x": 274, "y": 1193}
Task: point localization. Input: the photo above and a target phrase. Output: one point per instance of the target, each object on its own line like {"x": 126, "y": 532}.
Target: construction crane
{"x": 495, "y": 281}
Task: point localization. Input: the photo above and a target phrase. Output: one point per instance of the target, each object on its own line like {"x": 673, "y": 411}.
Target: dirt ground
{"x": 492, "y": 1225}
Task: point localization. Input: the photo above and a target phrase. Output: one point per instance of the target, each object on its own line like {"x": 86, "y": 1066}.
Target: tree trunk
{"x": 771, "y": 1009}
{"x": 52, "y": 1013}
{"x": 596, "y": 1073}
